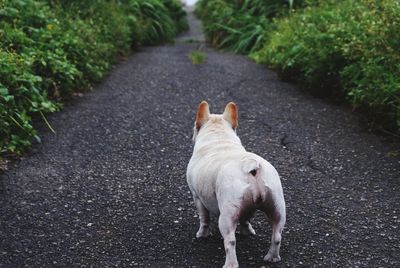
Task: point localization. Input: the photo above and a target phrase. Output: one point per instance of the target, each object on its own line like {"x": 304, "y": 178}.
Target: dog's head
{"x": 216, "y": 123}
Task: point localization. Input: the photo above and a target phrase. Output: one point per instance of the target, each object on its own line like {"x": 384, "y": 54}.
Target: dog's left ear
{"x": 203, "y": 114}
{"x": 231, "y": 114}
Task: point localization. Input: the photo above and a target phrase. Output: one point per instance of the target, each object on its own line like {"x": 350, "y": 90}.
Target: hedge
{"x": 50, "y": 49}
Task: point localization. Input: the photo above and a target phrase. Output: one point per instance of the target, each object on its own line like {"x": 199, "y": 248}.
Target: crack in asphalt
{"x": 311, "y": 164}
{"x": 283, "y": 140}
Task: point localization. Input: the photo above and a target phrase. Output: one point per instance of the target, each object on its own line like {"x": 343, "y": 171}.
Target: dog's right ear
{"x": 231, "y": 114}
{"x": 203, "y": 114}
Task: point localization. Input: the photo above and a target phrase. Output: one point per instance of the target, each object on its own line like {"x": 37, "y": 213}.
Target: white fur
{"x": 219, "y": 178}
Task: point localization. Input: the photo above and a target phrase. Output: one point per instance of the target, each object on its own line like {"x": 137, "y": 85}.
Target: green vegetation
{"x": 239, "y": 27}
{"x": 52, "y": 48}
{"x": 347, "y": 47}
{"x": 197, "y": 57}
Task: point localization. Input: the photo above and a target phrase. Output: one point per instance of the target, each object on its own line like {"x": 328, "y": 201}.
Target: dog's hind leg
{"x": 227, "y": 226}
{"x": 277, "y": 216}
{"x": 245, "y": 227}
{"x": 204, "y": 216}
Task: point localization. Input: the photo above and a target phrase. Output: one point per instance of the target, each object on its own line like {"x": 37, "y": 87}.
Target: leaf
{"x": 4, "y": 91}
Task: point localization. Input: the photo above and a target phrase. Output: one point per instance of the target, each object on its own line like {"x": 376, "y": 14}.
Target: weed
{"x": 197, "y": 57}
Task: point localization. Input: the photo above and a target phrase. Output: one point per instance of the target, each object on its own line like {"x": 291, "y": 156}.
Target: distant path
{"x": 109, "y": 189}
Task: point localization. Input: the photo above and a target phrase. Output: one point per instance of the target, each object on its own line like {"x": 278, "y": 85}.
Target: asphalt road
{"x": 109, "y": 189}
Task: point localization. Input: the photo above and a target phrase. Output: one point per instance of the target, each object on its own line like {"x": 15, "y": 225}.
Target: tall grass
{"x": 239, "y": 27}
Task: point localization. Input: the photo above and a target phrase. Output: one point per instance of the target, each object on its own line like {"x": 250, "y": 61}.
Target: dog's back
{"x": 211, "y": 153}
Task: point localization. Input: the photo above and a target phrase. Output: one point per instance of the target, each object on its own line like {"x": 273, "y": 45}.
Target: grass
{"x": 197, "y": 57}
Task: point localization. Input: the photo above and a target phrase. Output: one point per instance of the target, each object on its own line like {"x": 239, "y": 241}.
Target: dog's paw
{"x": 272, "y": 257}
{"x": 231, "y": 265}
{"x": 247, "y": 230}
{"x": 203, "y": 232}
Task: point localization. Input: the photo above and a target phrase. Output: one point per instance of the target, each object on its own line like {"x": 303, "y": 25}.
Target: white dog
{"x": 231, "y": 183}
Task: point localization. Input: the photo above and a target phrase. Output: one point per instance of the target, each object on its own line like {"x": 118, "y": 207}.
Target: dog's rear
{"x": 232, "y": 183}
{"x": 243, "y": 187}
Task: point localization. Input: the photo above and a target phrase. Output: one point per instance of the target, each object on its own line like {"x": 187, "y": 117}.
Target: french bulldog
{"x": 231, "y": 183}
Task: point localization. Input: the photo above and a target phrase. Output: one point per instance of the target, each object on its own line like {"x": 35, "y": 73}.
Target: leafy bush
{"x": 177, "y": 13}
{"x": 350, "y": 47}
{"x": 20, "y": 96}
{"x": 49, "y": 49}
{"x": 156, "y": 19}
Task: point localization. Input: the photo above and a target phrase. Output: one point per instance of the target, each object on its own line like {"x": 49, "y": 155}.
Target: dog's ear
{"x": 231, "y": 114}
{"x": 203, "y": 114}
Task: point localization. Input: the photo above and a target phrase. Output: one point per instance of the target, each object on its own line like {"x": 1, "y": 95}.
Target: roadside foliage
{"x": 50, "y": 49}
{"x": 346, "y": 48}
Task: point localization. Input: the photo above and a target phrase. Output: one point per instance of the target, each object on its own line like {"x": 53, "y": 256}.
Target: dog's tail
{"x": 251, "y": 166}
{"x": 265, "y": 177}
{"x": 261, "y": 170}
